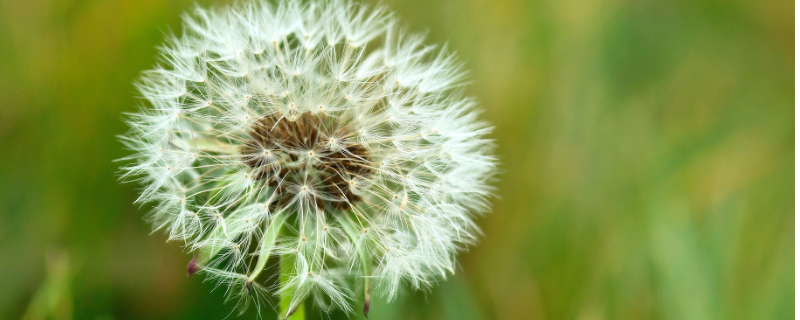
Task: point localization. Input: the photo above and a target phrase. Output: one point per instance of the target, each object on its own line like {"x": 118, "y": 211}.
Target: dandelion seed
{"x": 317, "y": 133}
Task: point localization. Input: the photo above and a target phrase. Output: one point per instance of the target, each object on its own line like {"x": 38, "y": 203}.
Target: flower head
{"x": 319, "y": 134}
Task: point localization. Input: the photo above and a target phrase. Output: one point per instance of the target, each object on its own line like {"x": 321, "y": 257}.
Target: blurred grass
{"x": 647, "y": 149}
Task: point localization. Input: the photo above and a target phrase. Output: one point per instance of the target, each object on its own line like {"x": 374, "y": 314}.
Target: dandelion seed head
{"x": 318, "y": 132}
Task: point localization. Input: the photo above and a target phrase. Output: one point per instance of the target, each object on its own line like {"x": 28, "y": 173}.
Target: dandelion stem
{"x": 287, "y": 311}
{"x": 208, "y": 145}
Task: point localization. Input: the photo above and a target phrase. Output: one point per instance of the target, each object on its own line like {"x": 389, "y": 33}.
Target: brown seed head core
{"x": 309, "y": 150}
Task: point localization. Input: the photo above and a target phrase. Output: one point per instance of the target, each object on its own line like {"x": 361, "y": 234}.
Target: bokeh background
{"x": 647, "y": 150}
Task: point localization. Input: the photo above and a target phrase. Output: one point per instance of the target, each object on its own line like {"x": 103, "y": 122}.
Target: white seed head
{"x": 319, "y": 133}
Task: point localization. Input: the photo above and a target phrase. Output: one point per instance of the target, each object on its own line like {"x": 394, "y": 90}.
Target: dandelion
{"x": 320, "y": 135}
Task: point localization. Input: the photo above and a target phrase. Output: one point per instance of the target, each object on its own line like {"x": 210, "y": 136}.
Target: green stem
{"x": 287, "y": 269}
{"x": 352, "y": 230}
{"x": 214, "y": 146}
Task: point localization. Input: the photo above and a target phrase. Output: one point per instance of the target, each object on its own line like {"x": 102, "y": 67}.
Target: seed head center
{"x": 297, "y": 150}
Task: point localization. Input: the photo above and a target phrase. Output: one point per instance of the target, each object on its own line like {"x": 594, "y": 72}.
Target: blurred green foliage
{"x": 647, "y": 150}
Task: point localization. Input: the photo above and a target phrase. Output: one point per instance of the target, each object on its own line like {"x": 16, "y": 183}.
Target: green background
{"x": 647, "y": 153}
